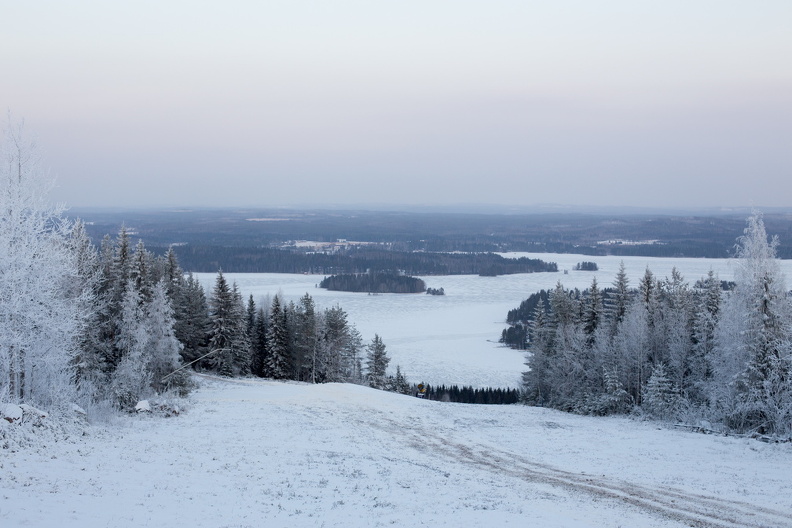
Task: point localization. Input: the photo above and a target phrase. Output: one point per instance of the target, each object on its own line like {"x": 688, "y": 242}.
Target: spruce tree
{"x": 592, "y": 311}
{"x": 660, "y": 399}
{"x": 163, "y": 349}
{"x": 619, "y": 298}
{"x": 278, "y": 361}
{"x": 305, "y": 339}
{"x": 225, "y": 322}
{"x": 330, "y": 350}
{"x": 131, "y": 379}
{"x": 259, "y": 344}
{"x": 191, "y": 319}
{"x": 377, "y": 363}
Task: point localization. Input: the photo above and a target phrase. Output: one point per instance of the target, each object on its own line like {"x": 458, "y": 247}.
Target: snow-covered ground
{"x": 453, "y": 339}
{"x": 252, "y": 453}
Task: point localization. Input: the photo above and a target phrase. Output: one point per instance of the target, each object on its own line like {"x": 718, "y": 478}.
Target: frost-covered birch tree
{"x": 39, "y": 314}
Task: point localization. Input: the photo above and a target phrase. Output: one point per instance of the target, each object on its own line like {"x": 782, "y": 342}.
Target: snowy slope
{"x": 259, "y": 453}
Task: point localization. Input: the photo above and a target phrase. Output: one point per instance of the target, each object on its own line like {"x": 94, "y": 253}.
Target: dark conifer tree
{"x": 192, "y": 322}
{"x": 259, "y": 344}
{"x": 305, "y": 339}
{"x": 227, "y": 331}
{"x": 377, "y": 363}
{"x": 278, "y": 357}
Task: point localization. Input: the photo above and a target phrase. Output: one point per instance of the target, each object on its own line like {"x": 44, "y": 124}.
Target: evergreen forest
{"x": 666, "y": 349}
{"x": 106, "y": 327}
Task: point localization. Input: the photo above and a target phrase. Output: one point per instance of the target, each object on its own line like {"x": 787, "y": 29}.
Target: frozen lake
{"x": 453, "y": 339}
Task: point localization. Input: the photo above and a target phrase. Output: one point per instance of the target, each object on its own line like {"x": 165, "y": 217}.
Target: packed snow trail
{"x": 256, "y": 453}
{"x": 692, "y": 509}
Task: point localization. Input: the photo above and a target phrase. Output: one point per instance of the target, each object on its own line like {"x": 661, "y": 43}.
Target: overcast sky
{"x": 183, "y": 103}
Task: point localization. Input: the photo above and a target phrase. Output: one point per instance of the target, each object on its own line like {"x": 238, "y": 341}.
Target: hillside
{"x": 260, "y": 453}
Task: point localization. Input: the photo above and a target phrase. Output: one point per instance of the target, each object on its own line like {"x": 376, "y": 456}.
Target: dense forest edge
{"x": 714, "y": 355}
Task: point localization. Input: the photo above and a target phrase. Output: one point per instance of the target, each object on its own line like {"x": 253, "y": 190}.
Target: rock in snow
{"x": 12, "y": 413}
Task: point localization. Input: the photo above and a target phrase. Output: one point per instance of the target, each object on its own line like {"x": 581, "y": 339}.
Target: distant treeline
{"x": 708, "y": 235}
{"x": 374, "y": 283}
{"x": 456, "y": 394}
{"x": 203, "y": 258}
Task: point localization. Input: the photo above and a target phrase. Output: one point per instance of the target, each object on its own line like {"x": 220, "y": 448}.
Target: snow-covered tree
{"x": 227, "y": 336}
{"x": 131, "y": 379}
{"x": 619, "y": 299}
{"x": 88, "y": 360}
{"x": 377, "y": 363}
{"x": 751, "y": 362}
{"x": 660, "y": 398}
{"x": 592, "y": 311}
{"x": 162, "y": 347}
{"x": 305, "y": 339}
{"x": 705, "y": 317}
{"x": 398, "y": 383}
{"x": 39, "y": 316}
{"x": 191, "y": 315}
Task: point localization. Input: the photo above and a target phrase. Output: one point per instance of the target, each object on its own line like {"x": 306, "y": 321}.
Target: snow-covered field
{"x": 252, "y": 453}
{"x": 453, "y": 339}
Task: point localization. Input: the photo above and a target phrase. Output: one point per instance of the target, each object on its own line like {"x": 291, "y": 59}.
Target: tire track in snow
{"x": 693, "y": 509}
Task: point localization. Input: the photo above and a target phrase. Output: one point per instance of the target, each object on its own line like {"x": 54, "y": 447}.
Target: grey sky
{"x": 673, "y": 103}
